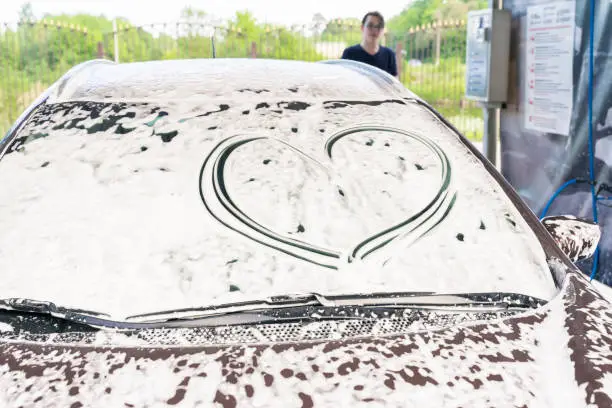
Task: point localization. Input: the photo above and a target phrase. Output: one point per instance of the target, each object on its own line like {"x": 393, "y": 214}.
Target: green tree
{"x": 318, "y": 24}
{"x": 270, "y": 41}
{"x": 346, "y": 30}
{"x": 26, "y": 13}
{"x": 420, "y": 42}
{"x": 429, "y": 11}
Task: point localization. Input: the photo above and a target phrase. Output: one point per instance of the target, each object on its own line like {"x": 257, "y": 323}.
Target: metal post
{"x": 491, "y": 132}
{"x": 116, "y": 40}
{"x": 399, "y": 58}
{"x": 100, "y": 50}
{"x": 438, "y": 41}
{"x": 491, "y": 116}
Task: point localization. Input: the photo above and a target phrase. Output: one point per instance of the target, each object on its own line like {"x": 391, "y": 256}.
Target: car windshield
{"x": 131, "y": 199}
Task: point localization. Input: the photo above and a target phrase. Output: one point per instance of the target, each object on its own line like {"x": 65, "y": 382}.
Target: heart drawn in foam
{"x": 220, "y": 202}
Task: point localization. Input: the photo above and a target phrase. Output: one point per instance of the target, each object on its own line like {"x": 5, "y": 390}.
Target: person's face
{"x": 372, "y": 29}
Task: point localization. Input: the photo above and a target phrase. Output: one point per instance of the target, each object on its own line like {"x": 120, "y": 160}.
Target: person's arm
{"x": 344, "y": 54}
{"x": 394, "y": 65}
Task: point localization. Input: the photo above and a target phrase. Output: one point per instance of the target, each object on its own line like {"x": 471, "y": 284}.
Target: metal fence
{"x": 431, "y": 59}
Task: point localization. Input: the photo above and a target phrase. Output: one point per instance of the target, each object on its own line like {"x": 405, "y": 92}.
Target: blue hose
{"x": 594, "y": 195}
{"x": 559, "y": 190}
{"x": 590, "y": 104}
{"x": 591, "y": 148}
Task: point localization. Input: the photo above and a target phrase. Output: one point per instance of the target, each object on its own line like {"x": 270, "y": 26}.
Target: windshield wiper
{"x": 304, "y": 307}
{"x": 402, "y": 300}
{"x": 43, "y": 307}
{"x": 50, "y": 309}
{"x": 97, "y": 320}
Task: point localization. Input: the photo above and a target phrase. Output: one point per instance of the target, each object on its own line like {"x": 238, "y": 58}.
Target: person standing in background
{"x": 369, "y": 51}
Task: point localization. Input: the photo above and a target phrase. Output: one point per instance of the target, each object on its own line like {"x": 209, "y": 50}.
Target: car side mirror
{"x": 576, "y": 237}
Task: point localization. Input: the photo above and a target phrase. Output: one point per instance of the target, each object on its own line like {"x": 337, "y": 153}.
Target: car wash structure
{"x": 542, "y": 70}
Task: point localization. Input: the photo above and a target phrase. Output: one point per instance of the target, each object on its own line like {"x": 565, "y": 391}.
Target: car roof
{"x": 205, "y": 79}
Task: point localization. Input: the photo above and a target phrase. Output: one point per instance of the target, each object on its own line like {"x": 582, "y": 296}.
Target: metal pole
{"x": 116, "y": 40}
{"x": 399, "y": 59}
{"x": 491, "y": 132}
{"x": 491, "y": 116}
{"x": 100, "y": 50}
{"x": 438, "y": 41}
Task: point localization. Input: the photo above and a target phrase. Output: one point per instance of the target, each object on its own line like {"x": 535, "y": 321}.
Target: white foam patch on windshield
{"x": 115, "y": 223}
{"x": 5, "y": 327}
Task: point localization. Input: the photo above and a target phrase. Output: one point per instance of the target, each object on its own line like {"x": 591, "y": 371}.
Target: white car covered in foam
{"x": 279, "y": 233}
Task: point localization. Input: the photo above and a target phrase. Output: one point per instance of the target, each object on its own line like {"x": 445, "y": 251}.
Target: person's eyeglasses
{"x": 372, "y": 26}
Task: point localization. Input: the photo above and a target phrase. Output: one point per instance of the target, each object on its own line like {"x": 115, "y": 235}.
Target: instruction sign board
{"x": 549, "y": 62}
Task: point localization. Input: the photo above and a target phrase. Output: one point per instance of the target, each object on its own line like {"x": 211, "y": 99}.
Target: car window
{"x": 132, "y": 207}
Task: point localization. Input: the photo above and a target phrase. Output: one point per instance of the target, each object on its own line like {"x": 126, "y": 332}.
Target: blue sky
{"x": 145, "y": 12}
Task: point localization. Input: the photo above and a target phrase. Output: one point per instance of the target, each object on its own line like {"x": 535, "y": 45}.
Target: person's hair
{"x": 373, "y": 14}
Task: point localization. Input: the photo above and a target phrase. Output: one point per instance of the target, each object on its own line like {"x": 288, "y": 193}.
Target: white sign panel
{"x": 549, "y": 76}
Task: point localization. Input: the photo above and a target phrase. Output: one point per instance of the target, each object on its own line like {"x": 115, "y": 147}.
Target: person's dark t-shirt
{"x": 383, "y": 59}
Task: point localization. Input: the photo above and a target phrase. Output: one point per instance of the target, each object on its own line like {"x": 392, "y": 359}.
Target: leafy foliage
{"x": 344, "y": 30}
{"x": 429, "y": 11}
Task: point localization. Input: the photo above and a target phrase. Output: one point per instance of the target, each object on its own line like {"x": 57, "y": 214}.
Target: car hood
{"x": 558, "y": 355}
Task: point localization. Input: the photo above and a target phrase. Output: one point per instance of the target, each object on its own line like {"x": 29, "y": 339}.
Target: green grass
{"x": 468, "y": 121}
{"x": 443, "y": 86}
{"x": 442, "y": 82}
